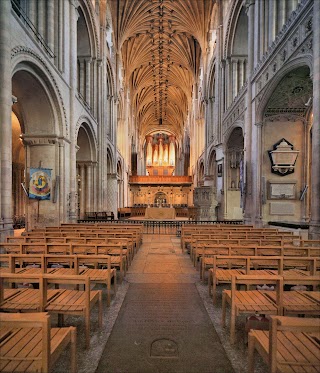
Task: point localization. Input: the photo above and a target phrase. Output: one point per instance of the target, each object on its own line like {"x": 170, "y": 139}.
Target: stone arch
{"x": 268, "y": 90}
{"x": 37, "y": 120}
{"x": 86, "y": 169}
{"x": 285, "y": 113}
{"x": 201, "y": 173}
{"x": 236, "y": 51}
{"x": 233, "y": 159}
{"x": 29, "y": 77}
{"x": 234, "y": 14}
{"x": 120, "y": 185}
{"x": 23, "y": 56}
{"x": 85, "y": 9}
{"x": 212, "y": 168}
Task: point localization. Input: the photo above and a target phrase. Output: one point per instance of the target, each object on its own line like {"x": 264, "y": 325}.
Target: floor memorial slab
{"x": 163, "y": 328}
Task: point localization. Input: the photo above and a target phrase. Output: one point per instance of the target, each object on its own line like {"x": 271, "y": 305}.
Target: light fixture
{"x": 283, "y": 157}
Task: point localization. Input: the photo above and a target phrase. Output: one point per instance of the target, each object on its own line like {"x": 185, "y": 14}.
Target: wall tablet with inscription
{"x": 282, "y": 190}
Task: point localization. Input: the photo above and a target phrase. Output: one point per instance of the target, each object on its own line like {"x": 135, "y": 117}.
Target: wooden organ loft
{"x": 160, "y": 187}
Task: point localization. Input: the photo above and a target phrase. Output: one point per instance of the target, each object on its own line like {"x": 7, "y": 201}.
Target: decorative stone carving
{"x": 204, "y": 199}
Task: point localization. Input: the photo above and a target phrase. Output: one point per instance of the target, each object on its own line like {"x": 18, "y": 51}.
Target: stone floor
{"x": 158, "y": 261}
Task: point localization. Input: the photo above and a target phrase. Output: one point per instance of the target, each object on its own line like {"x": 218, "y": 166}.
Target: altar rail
{"x": 172, "y": 227}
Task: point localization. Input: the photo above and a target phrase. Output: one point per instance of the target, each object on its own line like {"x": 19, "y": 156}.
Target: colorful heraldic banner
{"x": 40, "y": 183}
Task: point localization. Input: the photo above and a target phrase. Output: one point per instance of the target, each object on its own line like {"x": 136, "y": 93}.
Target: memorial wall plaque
{"x": 282, "y": 190}
{"x": 282, "y": 208}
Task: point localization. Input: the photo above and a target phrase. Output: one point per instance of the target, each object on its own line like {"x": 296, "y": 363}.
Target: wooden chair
{"x": 97, "y": 274}
{"x": 29, "y": 344}
{"x": 23, "y": 299}
{"x": 72, "y": 302}
{"x": 250, "y": 301}
{"x": 290, "y": 345}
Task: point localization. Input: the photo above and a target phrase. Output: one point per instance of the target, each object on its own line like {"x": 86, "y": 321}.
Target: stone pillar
{"x": 235, "y": 78}
{"x": 32, "y": 11}
{"x": 72, "y": 182}
{"x": 94, "y": 187}
{"x": 256, "y": 171}
{"x": 5, "y": 121}
{"x": 60, "y": 34}
{"x": 241, "y": 73}
{"x": 314, "y": 230}
{"x": 262, "y": 30}
{"x": 50, "y": 24}
{"x": 89, "y": 187}
{"x": 248, "y": 116}
{"x": 228, "y": 83}
{"x": 257, "y": 45}
{"x": 281, "y": 14}
{"x": 82, "y": 191}
{"x": 272, "y": 21}
{"x": 81, "y": 79}
{"x": 88, "y": 80}
{"x": 112, "y": 193}
{"x": 41, "y": 17}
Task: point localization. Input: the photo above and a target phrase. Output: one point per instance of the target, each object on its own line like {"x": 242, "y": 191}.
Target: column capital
{"x": 259, "y": 124}
{"x": 29, "y": 140}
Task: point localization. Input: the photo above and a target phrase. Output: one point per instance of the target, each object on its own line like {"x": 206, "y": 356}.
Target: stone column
{"x": 241, "y": 73}
{"x": 83, "y": 190}
{"x": 281, "y": 14}
{"x": 73, "y": 196}
{"x": 5, "y": 120}
{"x": 257, "y": 45}
{"x": 314, "y": 230}
{"x": 112, "y": 193}
{"x": 256, "y": 171}
{"x": 41, "y": 17}
{"x": 50, "y": 24}
{"x": 81, "y": 79}
{"x": 235, "y": 78}
{"x": 60, "y": 35}
{"x": 89, "y": 187}
{"x": 272, "y": 21}
{"x": 228, "y": 82}
{"x": 94, "y": 187}
{"x": 88, "y": 80}
{"x": 262, "y": 30}
{"x": 32, "y": 11}
{"x": 248, "y": 117}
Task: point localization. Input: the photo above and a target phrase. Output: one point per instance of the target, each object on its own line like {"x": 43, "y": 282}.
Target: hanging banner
{"x": 40, "y": 183}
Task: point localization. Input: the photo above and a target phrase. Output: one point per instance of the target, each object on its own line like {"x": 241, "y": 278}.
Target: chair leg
{"x": 73, "y": 357}
{"x": 232, "y": 325}
{"x": 100, "y": 310}
{"x": 251, "y": 346}
{"x": 223, "y": 319}
{"x": 87, "y": 322}
{"x": 108, "y": 291}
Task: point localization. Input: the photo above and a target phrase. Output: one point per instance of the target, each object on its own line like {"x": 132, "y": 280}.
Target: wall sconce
{"x": 283, "y": 158}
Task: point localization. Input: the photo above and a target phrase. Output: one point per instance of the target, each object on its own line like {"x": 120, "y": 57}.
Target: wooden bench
{"x": 291, "y": 345}
{"x": 29, "y": 344}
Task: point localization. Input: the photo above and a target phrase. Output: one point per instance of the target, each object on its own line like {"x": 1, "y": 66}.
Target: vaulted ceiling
{"x": 161, "y": 43}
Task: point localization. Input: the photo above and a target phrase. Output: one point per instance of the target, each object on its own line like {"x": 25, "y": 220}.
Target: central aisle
{"x": 163, "y": 325}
